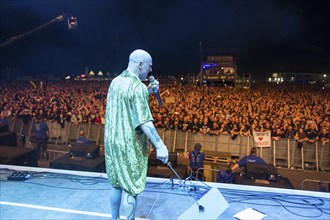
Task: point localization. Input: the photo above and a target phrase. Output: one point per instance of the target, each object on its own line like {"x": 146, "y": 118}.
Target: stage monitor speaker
{"x": 153, "y": 161}
{"x": 89, "y": 151}
{"x": 18, "y": 156}
{"x": 66, "y": 162}
{"x": 214, "y": 205}
{"x": 261, "y": 171}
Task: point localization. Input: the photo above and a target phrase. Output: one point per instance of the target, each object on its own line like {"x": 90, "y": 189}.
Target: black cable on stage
{"x": 234, "y": 196}
{"x": 244, "y": 201}
{"x": 81, "y": 180}
{"x": 72, "y": 178}
{"x": 230, "y": 193}
{"x": 57, "y": 187}
{"x": 154, "y": 187}
{"x": 72, "y": 188}
{"x": 6, "y": 169}
{"x": 157, "y": 184}
{"x": 69, "y": 177}
{"x": 306, "y": 206}
{"x": 280, "y": 199}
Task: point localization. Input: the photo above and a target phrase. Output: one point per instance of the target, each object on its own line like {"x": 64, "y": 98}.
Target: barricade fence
{"x": 282, "y": 153}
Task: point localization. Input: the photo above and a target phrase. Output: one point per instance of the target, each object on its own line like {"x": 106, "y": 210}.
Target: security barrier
{"x": 282, "y": 153}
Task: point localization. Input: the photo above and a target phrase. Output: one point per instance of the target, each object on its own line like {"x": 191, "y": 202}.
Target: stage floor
{"x": 62, "y": 194}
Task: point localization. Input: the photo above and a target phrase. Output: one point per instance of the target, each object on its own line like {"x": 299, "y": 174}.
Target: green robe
{"x": 126, "y": 146}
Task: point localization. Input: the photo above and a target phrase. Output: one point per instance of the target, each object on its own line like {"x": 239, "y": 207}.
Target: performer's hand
{"x": 162, "y": 153}
{"x": 153, "y": 85}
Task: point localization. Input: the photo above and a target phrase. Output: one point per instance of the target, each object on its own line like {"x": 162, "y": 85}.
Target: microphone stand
{"x": 200, "y": 207}
{"x": 183, "y": 183}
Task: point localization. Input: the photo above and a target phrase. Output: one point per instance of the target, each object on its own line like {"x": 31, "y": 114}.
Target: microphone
{"x": 158, "y": 99}
{"x": 152, "y": 83}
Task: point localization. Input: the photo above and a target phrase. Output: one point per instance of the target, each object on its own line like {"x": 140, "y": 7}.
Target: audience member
{"x": 82, "y": 139}
{"x": 205, "y": 127}
{"x": 311, "y": 133}
{"x": 234, "y": 132}
{"x": 195, "y": 126}
{"x": 324, "y": 136}
{"x": 300, "y": 137}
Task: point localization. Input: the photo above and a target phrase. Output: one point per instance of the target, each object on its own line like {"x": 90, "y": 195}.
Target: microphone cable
{"x": 182, "y": 184}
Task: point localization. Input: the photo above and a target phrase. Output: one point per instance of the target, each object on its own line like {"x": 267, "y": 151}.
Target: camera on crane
{"x": 72, "y": 22}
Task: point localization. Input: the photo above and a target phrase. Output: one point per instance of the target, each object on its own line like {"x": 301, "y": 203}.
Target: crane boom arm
{"x": 20, "y": 36}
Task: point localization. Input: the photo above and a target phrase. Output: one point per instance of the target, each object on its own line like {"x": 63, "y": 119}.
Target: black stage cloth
{"x": 8, "y": 139}
{"x": 65, "y": 162}
{"x": 166, "y": 172}
{"x": 18, "y": 156}
{"x": 281, "y": 182}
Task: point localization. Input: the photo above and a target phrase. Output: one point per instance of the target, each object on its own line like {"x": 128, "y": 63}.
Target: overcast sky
{"x": 271, "y": 35}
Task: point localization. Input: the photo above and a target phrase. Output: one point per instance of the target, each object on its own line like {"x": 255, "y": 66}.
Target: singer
{"x": 128, "y": 127}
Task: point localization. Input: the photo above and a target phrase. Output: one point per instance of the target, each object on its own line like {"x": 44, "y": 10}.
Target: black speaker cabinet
{"x": 261, "y": 171}
{"x": 78, "y": 163}
{"x": 4, "y": 128}
{"x": 90, "y": 151}
{"x": 8, "y": 139}
{"x": 172, "y": 158}
{"x": 18, "y": 156}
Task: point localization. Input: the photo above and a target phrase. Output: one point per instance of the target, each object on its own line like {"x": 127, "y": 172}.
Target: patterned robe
{"x": 126, "y": 146}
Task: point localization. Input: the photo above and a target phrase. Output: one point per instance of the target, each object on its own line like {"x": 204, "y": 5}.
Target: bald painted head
{"x": 140, "y": 63}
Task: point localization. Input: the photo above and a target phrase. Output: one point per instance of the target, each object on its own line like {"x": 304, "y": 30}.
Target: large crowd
{"x": 295, "y": 112}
